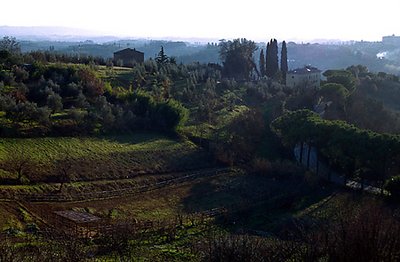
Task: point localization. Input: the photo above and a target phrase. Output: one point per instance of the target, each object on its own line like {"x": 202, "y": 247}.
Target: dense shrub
{"x": 367, "y": 233}
{"x": 239, "y": 140}
{"x": 236, "y": 248}
{"x": 157, "y": 116}
{"x": 392, "y": 185}
{"x": 169, "y": 115}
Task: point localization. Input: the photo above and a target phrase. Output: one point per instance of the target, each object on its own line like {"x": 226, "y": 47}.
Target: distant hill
{"x": 53, "y": 33}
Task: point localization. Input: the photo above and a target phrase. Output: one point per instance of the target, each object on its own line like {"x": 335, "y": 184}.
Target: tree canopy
{"x": 10, "y": 44}
{"x": 349, "y": 148}
{"x": 343, "y": 77}
{"x": 237, "y": 57}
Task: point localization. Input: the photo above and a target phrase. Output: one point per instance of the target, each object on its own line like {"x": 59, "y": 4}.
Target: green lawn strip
{"x": 8, "y": 191}
{"x": 50, "y": 149}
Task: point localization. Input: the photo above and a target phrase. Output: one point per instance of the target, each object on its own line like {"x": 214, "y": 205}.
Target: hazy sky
{"x": 253, "y": 19}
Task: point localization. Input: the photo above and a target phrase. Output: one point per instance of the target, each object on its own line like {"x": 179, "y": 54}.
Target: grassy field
{"x": 49, "y": 149}
{"x": 111, "y": 157}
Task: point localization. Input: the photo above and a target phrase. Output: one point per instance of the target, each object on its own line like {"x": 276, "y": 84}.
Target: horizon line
{"x": 91, "y": 34}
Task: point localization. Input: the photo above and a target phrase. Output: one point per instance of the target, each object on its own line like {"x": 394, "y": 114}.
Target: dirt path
{"x": 174, "y": 179}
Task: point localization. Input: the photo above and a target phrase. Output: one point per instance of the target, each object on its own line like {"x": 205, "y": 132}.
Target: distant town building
{"x": 128, "y": 57}
{"x": 391, "y": 40}
{"x": 304, "y": 77}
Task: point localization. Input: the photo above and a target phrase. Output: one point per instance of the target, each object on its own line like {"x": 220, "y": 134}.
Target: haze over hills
{"x": 322, "y": 53}
{"x": 55, "y": 33}
{"x": 70, "y": 34}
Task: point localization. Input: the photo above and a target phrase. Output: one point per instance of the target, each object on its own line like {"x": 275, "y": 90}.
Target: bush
{"x": 32, "y": 228}
{"x": 157, "y": 116}
{"x": 12, "y": 231}
{"x": 238, "y": 141}
{"x": 261, "y": 166}
{"x": 392, "y": 185}
{"x": 169, "y": 115}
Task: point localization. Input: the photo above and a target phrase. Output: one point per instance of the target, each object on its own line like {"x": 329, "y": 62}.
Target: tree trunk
{"x": 301, "y": 152}
{"x": 317, "y": 164}
{"x": 308, "y": 156}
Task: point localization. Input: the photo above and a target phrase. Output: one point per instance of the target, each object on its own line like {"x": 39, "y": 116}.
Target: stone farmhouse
{"x": 128, "y": 57}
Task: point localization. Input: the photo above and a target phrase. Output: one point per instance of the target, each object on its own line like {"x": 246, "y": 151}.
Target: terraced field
{"x": 102, "y": 168}
{"x": 250, "y": 202}
{"x": 105, "y": 158}
{"x": 142, "y": 180}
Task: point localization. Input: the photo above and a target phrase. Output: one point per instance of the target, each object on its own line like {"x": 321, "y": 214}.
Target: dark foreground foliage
{"x": 366, "y": 234}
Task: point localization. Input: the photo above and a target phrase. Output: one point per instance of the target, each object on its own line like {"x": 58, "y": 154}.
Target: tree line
{"x": 237, "y": 58}
{"x": 357, "y": 153}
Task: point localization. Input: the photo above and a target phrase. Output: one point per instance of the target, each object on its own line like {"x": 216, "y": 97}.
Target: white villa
{"x": 304, "y": 77}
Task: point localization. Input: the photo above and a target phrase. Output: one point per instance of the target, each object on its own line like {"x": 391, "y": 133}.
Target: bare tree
{"x": 18, "y": 161}
{"x": 63, "y": 168}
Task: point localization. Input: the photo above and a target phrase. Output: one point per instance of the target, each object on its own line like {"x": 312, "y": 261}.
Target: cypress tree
{"x": 268, "y": 68}
{"x": 272, "y": 58}
{"x": 284, "y": 65}
{"x": 275, "y": 57}
{"x": 162, "y": 58}
{"x": 262, "y": 63}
